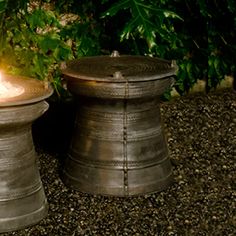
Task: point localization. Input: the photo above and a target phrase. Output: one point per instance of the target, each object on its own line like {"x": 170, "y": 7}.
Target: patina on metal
{"x": 22, "y": 198}
{"x": 118, "y": 147}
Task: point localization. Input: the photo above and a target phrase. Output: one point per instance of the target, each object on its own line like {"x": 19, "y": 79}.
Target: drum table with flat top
{"x": 22, "y": 197}
{"x": 118, "y": 146}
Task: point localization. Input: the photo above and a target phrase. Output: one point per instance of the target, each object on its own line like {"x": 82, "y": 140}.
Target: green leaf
{"x": 129, "y": 28}
{"x": 39, "y": 18}
{"x": 120, "y": 5}
{"x": 231, "y": 6}
{"x": 216, "y": 62}
{"x": 3, "y": 4}
{"x": 203, "y": 8}
{"x": 171, "y": 14}
{"x": 39, "y": 68}
{"x": 48, "y": 42}
{"x": 63, "y": 53}
{"x": 147, "y": 20}
{"x": 36, "y": 19}
{"x": 189, "y": 69}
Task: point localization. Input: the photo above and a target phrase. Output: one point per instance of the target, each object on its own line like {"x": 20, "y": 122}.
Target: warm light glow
{"x": 9, "y": 90}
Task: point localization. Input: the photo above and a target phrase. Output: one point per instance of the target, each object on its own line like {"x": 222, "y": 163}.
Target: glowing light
{"x": 9, "y": 90}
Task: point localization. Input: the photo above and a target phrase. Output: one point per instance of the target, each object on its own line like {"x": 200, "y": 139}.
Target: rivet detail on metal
{"x": 125, "y": 137}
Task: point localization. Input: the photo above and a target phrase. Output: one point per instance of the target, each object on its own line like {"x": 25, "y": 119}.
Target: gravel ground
{"x": 201, "y": 134}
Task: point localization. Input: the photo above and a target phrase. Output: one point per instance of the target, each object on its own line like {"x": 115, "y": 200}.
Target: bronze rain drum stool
{"x": 118, "y": 146}
{"x": 22, "y": 198}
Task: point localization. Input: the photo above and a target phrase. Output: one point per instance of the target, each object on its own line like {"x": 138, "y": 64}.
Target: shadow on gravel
{"x": 53, "y": 131}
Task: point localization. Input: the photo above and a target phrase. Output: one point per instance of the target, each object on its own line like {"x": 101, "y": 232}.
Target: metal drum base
{"x": 118, "y": 148}
{"x": 22, "y": 198}
{"x": 21, "y": 221}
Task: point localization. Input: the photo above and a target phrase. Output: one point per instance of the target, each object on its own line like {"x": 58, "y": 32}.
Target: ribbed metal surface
{"x": 22, "y": 198}
{"x": 118, "y": 147}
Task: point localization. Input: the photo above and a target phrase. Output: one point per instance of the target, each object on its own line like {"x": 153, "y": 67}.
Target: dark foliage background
{"x": 37, "y": 36}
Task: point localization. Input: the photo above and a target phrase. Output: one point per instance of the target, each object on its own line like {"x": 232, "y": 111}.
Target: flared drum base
{"x": 118, "y": 148}
{"x": 22, "y": 198}
{"x": 86, "y": 186}
{"x": 18, "y": 220}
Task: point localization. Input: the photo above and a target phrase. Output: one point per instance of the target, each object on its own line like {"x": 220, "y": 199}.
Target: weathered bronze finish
{"x": 22, "y": 198}
{"x": 118, "y": 147}
{"x": 34, "y": 91}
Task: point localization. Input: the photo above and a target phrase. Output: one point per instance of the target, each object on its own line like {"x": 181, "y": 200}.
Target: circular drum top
{"x": 119, "y": 68}
{"x": 33, "y": 90}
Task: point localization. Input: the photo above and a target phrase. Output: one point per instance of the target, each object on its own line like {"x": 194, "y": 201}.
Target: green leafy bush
{"x": 37, "y": 36}
{"x": 221, "y": 41}
{"x": 198, "y": 35}
{"x": 36, "y": 39}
